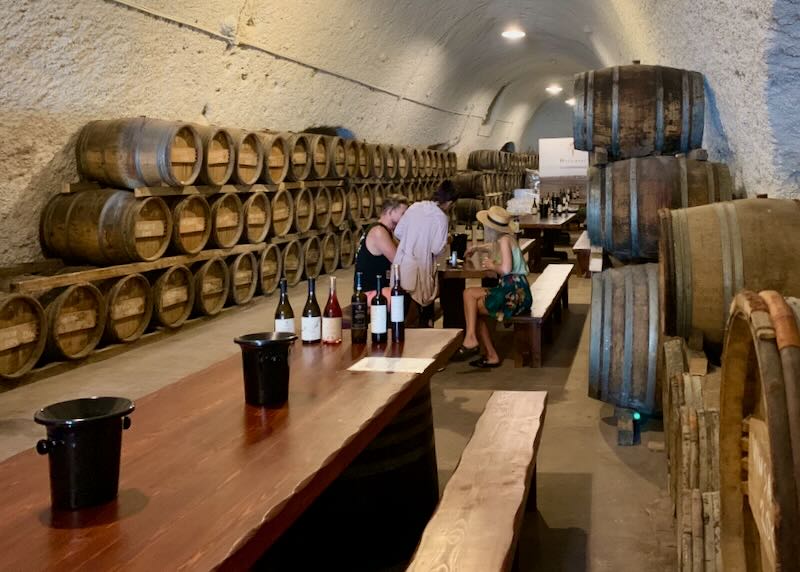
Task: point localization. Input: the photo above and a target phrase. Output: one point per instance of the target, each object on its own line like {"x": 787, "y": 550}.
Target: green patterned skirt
{"x": 511, "y": 296}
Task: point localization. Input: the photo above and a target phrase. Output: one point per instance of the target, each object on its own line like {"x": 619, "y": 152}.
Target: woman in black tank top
{"x": 377, "y": 247}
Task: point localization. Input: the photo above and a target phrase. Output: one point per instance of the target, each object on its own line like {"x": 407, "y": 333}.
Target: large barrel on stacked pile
{"x": 472, "y": 184}
{"x": 624, "y": 337}
{"x": 299, "y": 157}
{"x": 282, "y": 212}
{"x": 257, "y": 216}
{"x": 191, "y": 224}
{"x": 637, "y": 110}
{"x": 270, "y": 268}
{"x": 760, "y": 434}
{"x": 249, "y": 156}
{"x": 129, "y": 303}
{"x": 139, "y": 152}
{"x": 243, "y": 272}
{"x": 293, "y": 262}
{"x": 709, "y": 253}
{"x": 276, "y": 157}
{"x": 337, "y": 152}
{"x": 219, "y": 155}
{"x": 625, "y": 196}
{"x": 320, "y": 156}
{"x": 23, "y": 334}
{"x": 173, "y": 296}
{"x": 76, "y": 319}
{"x": 104, "y": 227}
{"x": 303, "y": 210}
{"x": 211, "y": 285}
{"x": 347, "y": 248}
{"x": 227, "y": 220}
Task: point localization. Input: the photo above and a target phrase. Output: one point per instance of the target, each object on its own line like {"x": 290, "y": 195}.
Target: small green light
{"x": 637, "y": 416}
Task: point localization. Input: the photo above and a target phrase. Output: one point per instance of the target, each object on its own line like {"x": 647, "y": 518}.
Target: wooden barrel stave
{"x": 322, "y": 208}
{"x": 191, "y": 224}
{"x": 129, "y": 305}
{"x": 243, "y": 272}
{"x": 211, "y": 285}
{"x": 282, "y": 212}
{"x": 23, "y": 334}
{"x": 270, "y": 268}
{"x": 219, "y": 155}
{"x": 293, "y": 263}
{"x": 227, "y": 220}
{"x": 257, "y": 216}
{"x": 303, "y": 210}
{"x": 276, "y": 158}
{"x": 76, "y": 318}
{"x": 173, "y": 296}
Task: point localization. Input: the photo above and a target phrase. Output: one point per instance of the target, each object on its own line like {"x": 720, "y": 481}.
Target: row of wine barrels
{"x": 105, "y": 226}
{"x": 492, "y": 160}
{"x": 709, "y": 253}
{"x": 760, "y": 434}
{"x": 23, "y": 334}
{"x": 625, "y": 196}
{"x": 638, "y": 110}
{"x": 624, "y": 340}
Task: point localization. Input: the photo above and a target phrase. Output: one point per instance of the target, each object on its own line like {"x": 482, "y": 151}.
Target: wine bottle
{"x": 284, "y": 315}
{"x": 398, "y": 311}
{"x": 358, "y": 306}
{"x": 377, "y": 316}
{"x": 332, "y": 318}
{"x": 311, "y": 327}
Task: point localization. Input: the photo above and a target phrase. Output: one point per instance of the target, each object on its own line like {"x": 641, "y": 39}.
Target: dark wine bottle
{"x": 332, "y": 318}
{"x": 311, "y": 327}
{"x": 358, "y": 305}
{"x": 398, "y": 309}
{"x": 377, "y": 316}
{"x": 284, "y": 315}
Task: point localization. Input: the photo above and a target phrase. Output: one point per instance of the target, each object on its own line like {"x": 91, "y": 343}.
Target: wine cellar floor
{"x": 601, "y": 507}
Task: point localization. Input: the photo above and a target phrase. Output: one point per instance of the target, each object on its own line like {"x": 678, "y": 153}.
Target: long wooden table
{"x": 544, "y": 230}
{"x": 208, "y": 481}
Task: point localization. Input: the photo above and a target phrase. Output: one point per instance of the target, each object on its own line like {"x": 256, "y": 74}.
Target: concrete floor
{"x": 601, "y": 507}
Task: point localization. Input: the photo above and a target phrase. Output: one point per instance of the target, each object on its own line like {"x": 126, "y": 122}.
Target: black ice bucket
{"x": 265, "y": 361}
{"x": 84, "y": 440}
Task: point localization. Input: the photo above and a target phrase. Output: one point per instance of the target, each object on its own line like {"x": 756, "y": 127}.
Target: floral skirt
{"x": 511, "y": 296}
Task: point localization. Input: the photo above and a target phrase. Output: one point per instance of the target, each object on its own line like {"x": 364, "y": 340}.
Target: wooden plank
{"x": 583, "y": 242}
{"x": 150, "y": 228}
{"x": 174, "y": 295}
{"x": 189, "y": 224}
{"x": 77, "y": 321}
{"x": 183, "y": 155}
{"x": 698, "y": 540}
{"x": 545, "y": 291}
{"x": 127, "y": 308}
{"x": 219, "y": 157}
{"x": 243, "y": 277}
{"x": 18, "y": 335}
{"x": 476, "y": 526}
{"x": 78, "y": 186}
{"x": 760, "y": 488}
{"x": 709, "y": 558}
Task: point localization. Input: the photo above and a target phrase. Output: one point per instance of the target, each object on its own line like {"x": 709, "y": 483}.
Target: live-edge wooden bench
{"x": 550, "y": 291}
{"x": 476, "y": 526}
{"x": 583, "y": 250}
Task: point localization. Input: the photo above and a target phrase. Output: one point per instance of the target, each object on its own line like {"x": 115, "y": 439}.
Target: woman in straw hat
{"x": 511, "y": 296}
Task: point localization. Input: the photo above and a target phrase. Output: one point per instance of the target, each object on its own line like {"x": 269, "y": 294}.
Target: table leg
{"x": 565, "y": 296}
{"x": 536, "y": 344}
{"x": 451, "y": 296}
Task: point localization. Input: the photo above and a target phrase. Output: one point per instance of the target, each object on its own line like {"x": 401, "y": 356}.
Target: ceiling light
{"x": 554, "y": 89}
{"x": 570, "y": 101}
{"x": 513, "y": 34}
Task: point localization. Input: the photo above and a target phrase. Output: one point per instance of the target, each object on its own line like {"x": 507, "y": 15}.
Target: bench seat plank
{"x": 582, "y": 250}
{"x": 545, "y": 291}
{"x": 477, "y": 523}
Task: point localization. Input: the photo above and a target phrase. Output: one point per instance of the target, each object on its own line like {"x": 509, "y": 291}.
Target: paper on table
{"x": 390, "y": 364}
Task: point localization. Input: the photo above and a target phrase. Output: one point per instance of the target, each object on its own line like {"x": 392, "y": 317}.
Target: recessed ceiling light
{"x": 570, "y": 101}
{"x": 554, "y": 89}
{"x": 513, "y": 34}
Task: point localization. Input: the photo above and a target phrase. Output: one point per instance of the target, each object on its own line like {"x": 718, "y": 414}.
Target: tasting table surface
{"x": 535, "y": 221}
{"x": 207, "y": 481}
{"x": 469, "y": 268}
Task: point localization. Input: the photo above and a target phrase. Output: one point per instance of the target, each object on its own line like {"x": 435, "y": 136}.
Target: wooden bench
{"x": 476, "y": 526}
{"x": 528, "y": 246}
{"x": 583, "y": 250}
{"x": 550, "y": 291}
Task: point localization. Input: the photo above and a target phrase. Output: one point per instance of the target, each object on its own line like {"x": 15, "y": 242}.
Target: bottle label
{"x": 284, "y": 325}
{"x": 359, "y": 312}
{"x": 331, "y": 330}
{"x": 378, "y": 319}
{"x": 311, "y": 329}
{"x": 398, "y": 309}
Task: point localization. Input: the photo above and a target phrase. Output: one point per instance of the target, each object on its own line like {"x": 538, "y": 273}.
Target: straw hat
{"x": 499, "y": 219}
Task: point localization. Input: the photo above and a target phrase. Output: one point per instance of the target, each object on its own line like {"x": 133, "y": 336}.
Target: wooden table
{"x": 453, "y": 281}
{"x": 544, "y": 229}
{"x": 207, "y": 481}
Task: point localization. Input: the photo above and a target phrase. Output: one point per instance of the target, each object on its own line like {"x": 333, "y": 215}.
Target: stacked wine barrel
{"x": 493, "y": 175}
{"x": 174, "y": 221}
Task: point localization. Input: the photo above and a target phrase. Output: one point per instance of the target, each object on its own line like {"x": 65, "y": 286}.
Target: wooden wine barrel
{"x": 300, "y": 160}
{"x": 378, "y": 192}
{"x": 218, "y": 155}
{"x": 403, "y": 163}
{"x": 427, "y": 163}
{"x": 191, "y": 224}
{"x": 636, "y": 110}
{"x": 212, "y": 282}
{"x": 257, "y": 214}
{"x": 624, "y": 341}
{"x": 303, "y": 210}
{"x": 330, "y": 253}
{"x": 709, "y": 253}
{"x": 354, "y": 203}
{"x": 366, "y": 200}
{"x": 173, "y": 296}
{"x": 624, "y": 198}
{"x": 471, "y": 184}
{"x": 377, "y": 161}
{"x": 452, "y": 163}
{"x": 282, "y": 212}
{"x": 139, "y": 152}
{"x": 293, "y": 263}
{"x": 320, "y": 156}
{"x": 129, "y": 304}
{"x": 760, "y": 434}
{"x": 276, "y": 158}
{"x": 322, "y": 207}
{"x": 312, "y": 257}
{"x": 438, "y": 163}
{"x": 483, "y": 160}
{"x": 227, "y": 220}
{"x": 390, "y": 160}
{"x": 270, "y": 268}
{"x": 363, "y": 160}
{"x": 243, "y": 271}
{"x": 351, "y": 158}
{"x": 249, "y": 156}
{"x": 76, "y": 318}
{"x": 338, "y": 205}
{"x": 347, "y": 248}
{"x": 337, "y": 158}
{"x": 416, "y": 162}
{"x": 23, "y": 334}
{"x": 105, "y": 226}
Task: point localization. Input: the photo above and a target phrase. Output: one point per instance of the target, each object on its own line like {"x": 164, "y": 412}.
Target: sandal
{"x": 464, "y": 353}
{"x": 483, "y": 364}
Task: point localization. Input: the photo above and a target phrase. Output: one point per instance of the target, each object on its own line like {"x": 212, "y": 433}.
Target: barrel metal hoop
{"x": 594, "y": 340}
{"x": 590, "y": 111}
{"x": 684, "y": 182}
{"x": 627, "y": 364}
{"x": 711, "y": 183}
{"x": 608, "y": 215}
{"x": 652, "y": 334}
{"x": 615, "y": 113}
{"x": 633, "y": 184}
{"x": 605, "y": 368}
{"x": 596, "y": 190}
{"x": 579, "y": 113}
{"x": 659, "y": 110}
{"x": 727, "y": 259}
{"x": 685, "y": 110}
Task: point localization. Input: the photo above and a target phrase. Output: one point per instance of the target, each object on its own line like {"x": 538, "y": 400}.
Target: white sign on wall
{"x": 558, "y": 158}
